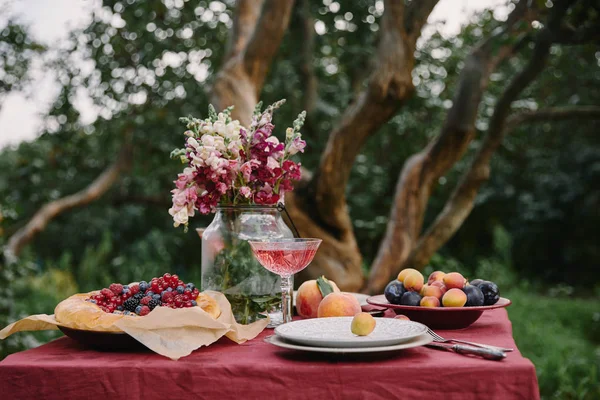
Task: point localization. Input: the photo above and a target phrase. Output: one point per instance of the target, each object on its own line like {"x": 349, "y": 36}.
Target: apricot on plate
{"x": 430, "y": 301}
{"x": 430, "y": 290}
{"x": 454, "y": 298}
{"x": 309, "y": 297}
{"x": 436, "y": 276}
{"x": 402, "y": 316}
{"x": 441, "y": 285}
{"x": 405, "y": 272}
{"x": 414, "y": 281}
{"x": 338, "y": 305}
{"x": 454, "y": 280}
{"x": 362, "y": 324}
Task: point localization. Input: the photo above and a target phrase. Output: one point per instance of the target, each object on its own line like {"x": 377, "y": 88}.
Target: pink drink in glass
{"x": 285, "y": 257}
{"x": 285, "y": 262}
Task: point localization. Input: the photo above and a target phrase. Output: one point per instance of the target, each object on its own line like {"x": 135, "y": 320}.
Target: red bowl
{"x": 439, "y": 317}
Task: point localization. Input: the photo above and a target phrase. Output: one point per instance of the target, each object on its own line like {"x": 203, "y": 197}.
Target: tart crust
{"x": 77, "y": 313}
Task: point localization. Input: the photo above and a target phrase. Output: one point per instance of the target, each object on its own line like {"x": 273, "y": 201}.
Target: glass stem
{"x": 286, "y": 298}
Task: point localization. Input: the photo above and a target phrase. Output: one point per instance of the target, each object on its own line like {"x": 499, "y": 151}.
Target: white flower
{"x": 289, "y": 133}
{"x": 181, "y": 217}
{"x": 272, "y": 139}
{"x": 272, "y": 163}
{"x": 193, "y": 143}
{"x": 208, "y": 140}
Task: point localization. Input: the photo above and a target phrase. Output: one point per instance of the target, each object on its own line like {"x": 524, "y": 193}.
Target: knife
{"x": 488, "y": 354}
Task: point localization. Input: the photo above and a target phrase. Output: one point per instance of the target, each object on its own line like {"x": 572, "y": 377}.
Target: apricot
{"x": 430, "y": 301}
{"x": 436, "y": 276}
{"x": 309, "y": 296}
{"x": 432, "y": 291}
{"x": 454, "y": 298}
{"x": 362, "y": 324}
{"x": 338, "y": 305}
{"x": 441, "y": 285}
{"x": 402, "y": 316}
{"x": 405, "y": 272}
{"x": 413, "y": 281}
{"x": 454, "y": 280}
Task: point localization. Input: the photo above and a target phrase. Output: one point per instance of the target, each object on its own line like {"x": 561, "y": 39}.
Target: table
{"x": 62, "y": 369}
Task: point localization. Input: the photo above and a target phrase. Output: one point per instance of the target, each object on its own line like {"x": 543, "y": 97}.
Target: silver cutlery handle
{"x": 486, "y": 346}
{"x": 488, "y": 354}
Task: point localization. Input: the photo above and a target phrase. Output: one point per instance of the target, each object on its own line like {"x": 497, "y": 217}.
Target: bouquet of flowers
{"x": 229, "y": 164}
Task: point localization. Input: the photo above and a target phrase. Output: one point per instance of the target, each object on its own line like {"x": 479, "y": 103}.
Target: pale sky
{"x": 51, "y": 20}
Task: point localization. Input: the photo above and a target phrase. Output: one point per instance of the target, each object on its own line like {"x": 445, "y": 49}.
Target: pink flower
{"x": 246, "y": 192}
{"x": 296, "y": 146}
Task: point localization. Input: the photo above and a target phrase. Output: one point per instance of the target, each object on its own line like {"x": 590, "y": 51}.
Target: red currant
{"x": 145, "y": 310}
{"x": 189, "y": 304}
{"x": 167, "y": 276}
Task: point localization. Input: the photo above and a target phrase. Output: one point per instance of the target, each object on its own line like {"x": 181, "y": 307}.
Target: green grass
{"x": 561, "y": 336}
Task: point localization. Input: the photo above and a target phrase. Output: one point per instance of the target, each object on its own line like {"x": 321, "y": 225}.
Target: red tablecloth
{"x": 62, "y": 369}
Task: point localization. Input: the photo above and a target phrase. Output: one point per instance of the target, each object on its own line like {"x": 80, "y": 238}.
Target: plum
{"x": 393, "y": 291}
{"x": 476, "y": 282}
{"x": 474, "y": 296}
{"x": 491, "y": 293}
{"x": 411, "y": 299}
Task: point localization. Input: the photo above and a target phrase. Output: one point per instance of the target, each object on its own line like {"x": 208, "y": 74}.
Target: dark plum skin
{"x": 393, "y": 291}
{"x": 475, "y": 296}
{"x": 476, "y": 282}
{"x": 410, "y": 299}
{"x": 491, "y": 293}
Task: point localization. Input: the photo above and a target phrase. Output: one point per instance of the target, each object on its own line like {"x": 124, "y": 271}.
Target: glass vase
{"x": 228, "y": 265}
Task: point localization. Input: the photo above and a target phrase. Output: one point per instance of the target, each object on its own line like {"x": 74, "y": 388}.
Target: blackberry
{"x": 153, "y": 303}
{"x": 131, "y": 304}
{"x": 138, "y": 296}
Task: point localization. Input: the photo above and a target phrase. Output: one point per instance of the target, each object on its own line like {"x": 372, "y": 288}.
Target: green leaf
{"x": 324, "y": 286}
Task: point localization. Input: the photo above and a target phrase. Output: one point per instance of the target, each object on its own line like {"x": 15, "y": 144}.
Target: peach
{"x": 454, "y": 280}
{"x": 413, "y": 281}
{"x": 454, "y": 298}
{"x": 338, "y": 305}
{"x": 405, "y": 272}
{"x": 436, "y": 276}
{"x": 402, "y": 316}
{"x": 441, "y": 286}
{"x": 362, "y": 324}
{"x": 309, "y": 296}
{"x": 430, "y": 301}
{"x": 432, "y": 291}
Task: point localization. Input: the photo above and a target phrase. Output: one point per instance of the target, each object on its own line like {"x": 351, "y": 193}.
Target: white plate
{"x": 420, "y": 340}
{"x": 361, "y": 297}
{"x": 335, "y": 332}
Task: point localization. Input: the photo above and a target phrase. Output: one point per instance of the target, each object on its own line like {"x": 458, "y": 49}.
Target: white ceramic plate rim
{"x": 419, "y": 341}
{"x": 361, "y": 297}
{"x": 298, "y": 333}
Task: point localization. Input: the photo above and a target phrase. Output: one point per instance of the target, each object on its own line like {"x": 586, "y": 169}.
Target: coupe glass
{"x": 285, "y": 257}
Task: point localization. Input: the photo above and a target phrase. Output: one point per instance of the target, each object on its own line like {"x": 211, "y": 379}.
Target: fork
{"x": 439, "y": 339}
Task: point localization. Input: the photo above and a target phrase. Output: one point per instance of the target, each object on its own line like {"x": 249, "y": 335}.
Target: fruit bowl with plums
{"x": 445, "y": 301}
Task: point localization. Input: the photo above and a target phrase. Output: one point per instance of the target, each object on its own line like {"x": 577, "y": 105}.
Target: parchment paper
{"x": 173, "y": 333}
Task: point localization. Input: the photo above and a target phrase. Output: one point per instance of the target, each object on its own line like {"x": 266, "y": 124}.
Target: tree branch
{"x": 389, "y": 84}
{"x": 54, "y": 208}
{"x": 244, "y": 21}
{"x": 461, "y": 202}
{"x": 307, "y": 72}
{"x": 422, "y": 170}
{"x": 266, "y": 38}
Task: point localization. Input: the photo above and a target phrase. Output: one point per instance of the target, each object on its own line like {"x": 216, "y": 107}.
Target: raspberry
{"x": 134, "y": 289}
{"x": 145, "y": 310}
{"x": 145, "y": 300}
{"x": 98, "y": 297}
{"x": 116, "y": 288}
{"x": 167, "y": 296}
{"x": 107, "y": 293}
